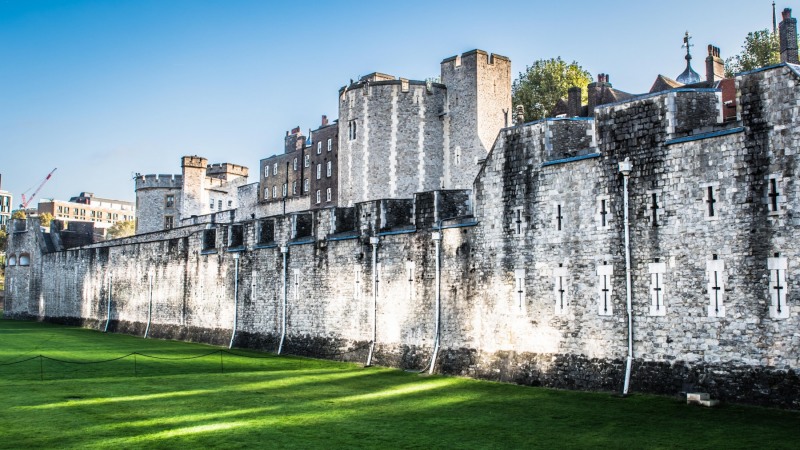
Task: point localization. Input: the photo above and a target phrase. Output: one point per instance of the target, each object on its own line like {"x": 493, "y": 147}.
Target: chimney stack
{"x": 788, "y": 38}
{"x": 574, "y": 102}
{"x": 715, "y": 66}
{"x": 324, "y": 120}
{"x": 595, "y": 93}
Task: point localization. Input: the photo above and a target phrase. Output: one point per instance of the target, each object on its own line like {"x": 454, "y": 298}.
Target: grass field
{"x": 212, "y": 399}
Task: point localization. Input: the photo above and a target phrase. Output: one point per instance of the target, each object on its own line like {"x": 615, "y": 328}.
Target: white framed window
{"x": 328, "y": 195}
{"x": 307, "y": 161}
{"x": 275, "y": 169}
{"x": 294, "y": 187}
{"x": 266, "y": 192}
{"x": 295, "y": 164}
{"x": 266, "y": 171}
{"x": 330, "y": 144}
{"x": 319, "y": 171}
{"x": 274, "y": 191}
{"x": 285, "y": 189}
{"x": 319, "y": 196}
{"x": 319, "y": 147}
{"x": 329, "y": 169}
{"x": 305, "y": 185}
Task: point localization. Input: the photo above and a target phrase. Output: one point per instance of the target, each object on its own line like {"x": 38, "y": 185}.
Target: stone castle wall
{"x": 532, "y": 281}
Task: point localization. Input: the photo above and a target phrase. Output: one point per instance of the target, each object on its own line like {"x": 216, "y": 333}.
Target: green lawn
{"x": 225, "y": 401}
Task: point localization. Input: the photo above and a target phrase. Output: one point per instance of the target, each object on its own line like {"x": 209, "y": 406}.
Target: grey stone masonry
{"x": 528, "y": 265}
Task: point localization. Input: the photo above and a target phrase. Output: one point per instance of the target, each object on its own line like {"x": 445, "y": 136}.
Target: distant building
{"x": 163, "y": 201}
{"x": 6, "y": 201}
{"x": 86, "y": 207}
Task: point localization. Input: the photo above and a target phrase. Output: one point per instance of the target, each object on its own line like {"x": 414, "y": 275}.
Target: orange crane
{"x": 27, "y": 201}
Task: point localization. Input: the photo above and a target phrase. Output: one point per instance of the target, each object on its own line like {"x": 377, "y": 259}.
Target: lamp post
{"x": 625, "y": 169}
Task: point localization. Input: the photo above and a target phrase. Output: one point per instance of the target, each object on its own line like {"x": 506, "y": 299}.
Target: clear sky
{"x": 104, "y": 89}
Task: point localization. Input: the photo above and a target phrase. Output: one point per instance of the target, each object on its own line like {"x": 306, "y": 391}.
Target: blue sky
{"x": 105, "y": 89}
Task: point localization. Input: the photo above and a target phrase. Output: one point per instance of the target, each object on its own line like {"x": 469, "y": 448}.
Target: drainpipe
{"x": 108, "y": 306}
{"x": 285, "y": 251}
{"x": 235, "y": 296}
{"x": 374, "y": 241}
{"x": 625, "y": 168}
{"x": 149, "y": 307}
{"x": 437, "y": 241}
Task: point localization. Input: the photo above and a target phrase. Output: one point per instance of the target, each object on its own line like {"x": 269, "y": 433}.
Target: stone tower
{"x": 193, "y": 196}
{"x": 478, "y": 107}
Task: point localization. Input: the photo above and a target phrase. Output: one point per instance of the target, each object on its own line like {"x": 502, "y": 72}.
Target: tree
{"x": 122, "y": 229}
{"x": 541, "y": 85}
{"x": 19, "y": 214}
{"x": 761, "y": 48}
{"x": 45, "y": 219}
{"x": 3, "y": 240}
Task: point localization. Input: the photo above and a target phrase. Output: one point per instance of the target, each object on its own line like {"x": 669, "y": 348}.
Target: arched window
{"x": 12, "y": 260}
{"x": 24, "y": 259}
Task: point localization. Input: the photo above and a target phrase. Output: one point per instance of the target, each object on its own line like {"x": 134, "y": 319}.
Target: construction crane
{"x": 27, "y": 201}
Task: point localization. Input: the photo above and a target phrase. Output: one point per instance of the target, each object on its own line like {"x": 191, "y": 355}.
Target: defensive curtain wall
{"x": 522, "y": 279}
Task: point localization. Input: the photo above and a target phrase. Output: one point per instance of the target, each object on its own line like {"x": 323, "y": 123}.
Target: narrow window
{"x": 319, "y": 198}
{"x": 307, "y": 161}
{"x": 266, "y": 192}
{"x": 295, "y": 164}
{"x": 559, "y": 217}
{"x": 560, "y": 291}
{"x": 210, "y": 205}
{"x": 319, "y": 171}
{"x": 169, "y": 202}
{"x": 329, "y": 168}
{"x": 328, "y": 195}
{"x": 294, "y": 187}
{"x": 519, "y": 290}
{"x": 285, "y": 189}
{"x": 219, "y": 206}
{"x": 710, "y": 200}
{"x": 275, "y": 169}
{"x": 657, "y": 294}
{"x": 236, "y": 236}
{"x": 305, "y": 185}
{"x": 330, "y": 144}
{"x": 266, "y": 171}
{"x": 605, "y": 273}
{"x": 715, "y": 270}
{"x": 778, "y": 288}
{"x": 274, "y": 191}
{"x": 319, "y": 147}
{"x": 168, "y": 222}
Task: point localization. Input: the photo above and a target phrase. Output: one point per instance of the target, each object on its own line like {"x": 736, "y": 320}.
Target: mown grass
{"x": 286, "y": 402}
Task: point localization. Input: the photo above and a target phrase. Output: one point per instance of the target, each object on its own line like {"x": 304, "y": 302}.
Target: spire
{"x": 774, "y": 20}
{"x": 688, "y": 76}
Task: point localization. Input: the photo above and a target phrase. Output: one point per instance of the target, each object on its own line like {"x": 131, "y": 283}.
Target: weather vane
{"x": 687, "y": 44}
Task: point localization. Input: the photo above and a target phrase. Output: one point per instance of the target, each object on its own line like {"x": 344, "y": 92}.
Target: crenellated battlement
{"x": 477, "y": 55}
{"x": 160, "y": 181}
{"x": 226, "y": 170}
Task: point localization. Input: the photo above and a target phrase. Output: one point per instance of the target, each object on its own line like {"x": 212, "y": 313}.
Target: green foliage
{"x": 289, "y": 402}
{"x": 761, "y": 48}
{"x": 3, "y": 240}
{"x": 19, "y": 214}
{"x": 541, "y": 85}
{"x": 122, "y": 229}
{"x": 45, "y": 219}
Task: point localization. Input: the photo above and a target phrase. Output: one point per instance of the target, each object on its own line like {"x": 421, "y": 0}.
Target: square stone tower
{"x": 478, "y": 107}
